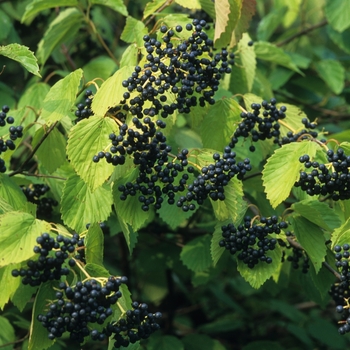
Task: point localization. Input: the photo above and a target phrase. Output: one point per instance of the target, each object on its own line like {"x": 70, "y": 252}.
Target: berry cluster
{"x": 84, "y": 110}
{"x": 14, "y": 133}
{"x": 303, "y": 134}
{"x": 340, "y": 291}
{"x": 186, "y": 70}
{"x": 327, "y": 179}
{"x": 53, "y": 253}
{"x": 295, "y": 259}
{"x": 75, "y": 307}
{"x": 34, "y": 195}
{"x": 261, "y": 125}
{"x": 250, "y": 240}
{"x": 138, "y": 324}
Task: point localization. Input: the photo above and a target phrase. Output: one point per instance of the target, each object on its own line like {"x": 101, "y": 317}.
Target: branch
{"x": 16, "y": 341}
{"x": 32, "y": 153}
{"x": 43, "y": 175}
{"x": 302, "y": 32}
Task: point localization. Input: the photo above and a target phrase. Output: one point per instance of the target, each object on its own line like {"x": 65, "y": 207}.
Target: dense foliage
{"x": 175, "y": 174}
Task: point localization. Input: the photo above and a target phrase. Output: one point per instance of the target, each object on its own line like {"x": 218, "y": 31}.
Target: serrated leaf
{"x": 338, "y": 14}
{"x": 130, "y": 56}
{"x": 318, "y": 213}
{"x": 226, "y": 113}
{"x": 152, "y": 6}
{"x": 34, "y": 96}
{"x": 61, "y": 97}
{"x": 269, "y": 52}
{"x": 23, "y": 55}
{"x": 227, "y": 15}
{"x": 36, "y": 6}
{"x": 85, "y": 140}
{"x": 129, "y": 210}
{"x": 261, "y": 272}
{"x": 101, "y": 67}
{"x": 9, "y": 283}
{"x": 111, "y": 92}
{"x": 51, "y": 152}
{"x": 310, "y": 236}
{"x": 94, "y": 245}
{"x": 189, "y": 4}
{"x": 247, "y": 62}
{"x": 332, "y": 73}
{"x": 64, "y": 27}
{"x": 196, "y": 254}
{"x": 247, "y": 12}
{"x": 22, "y": 296}
{"x": 11, "y": 193}
{"x": 80, "y": 206}
{"x": 38, "y": 338}
{"x": 341, "y": 235}
{"x": 282, "y": 170}
{"x": 116, "y": 5}
{"x": 133, "y": 31}
{"x": 18, "y": 236}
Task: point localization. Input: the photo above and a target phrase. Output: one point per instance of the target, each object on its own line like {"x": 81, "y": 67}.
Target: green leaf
{"x": 201, "y": 342}
{"x": 269, "y": 52}
{"x": 9, "y": 284}
{"x": 310, "y": 236}
{"x": 196, "y": 254}
{"x": 64, "y": 27}
{"x": 174, "y": 216}
{"x": 321, "y": 281}
{"x": 318, "y": 213}
{"x": 111, "y": 91}
{"x": 95, "y": 270}
{"x": 52, "y": 151}
{"x": 226, "y": 113}
{"x": 208, "y": 7}
{"x": 61, "y": 97}
{"x": 152, "y": 6}
{"x": 282, "y": 170}
{"x": 86, "y": 139}
{"x": 332, "y": 73}
{"x": 243, "y": 72}
{"x": 11, "y": 193}
{"x": 338, "y": 14}
{"x": 164, "y": 342}
{"x": 7, "y": 335}
{"x": 270, "y": 23}
{"x": 22, "y": 296}
{"x": 130, "y": 56}
{"x": 6, "y": 25}
{"x": 341, "y": 39}
{"x": 130, "y": 210}
{"x": 134, "y": 31}
{"x": 38, "y": 338}
{"x": 189, "y": 4}
{"x": 248, "y": 9}
{"x": 215, "y": 250}
{"x": 36, "y": 6}
{"x": 80, "y": 206}
{"x": 262, "y": 271}
{"x": 101, "y": 67}
{"x": 34, "y": 96}
{"x": 341, "y": 235}
{"x": 18, "y": 236}
{"x": 116, "y": 5}
{"x": 23, "y": 55}
{"x": 94, "y": 245}
{"x": 227, "y": 16}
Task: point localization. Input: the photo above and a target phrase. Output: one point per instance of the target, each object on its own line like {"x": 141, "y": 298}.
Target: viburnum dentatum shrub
{"x": 175, "y": 175}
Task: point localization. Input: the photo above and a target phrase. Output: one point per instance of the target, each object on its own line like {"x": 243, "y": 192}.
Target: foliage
{"x": 221, "y": 193}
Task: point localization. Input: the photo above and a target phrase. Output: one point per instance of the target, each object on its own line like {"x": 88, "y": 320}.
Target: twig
{"x": 43, "y": 175}
{"x": 31, "y": 155}
{"x": 16, "y": 341}
{"x": 68, "y": 57}
{"x": 302, "y": 32}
